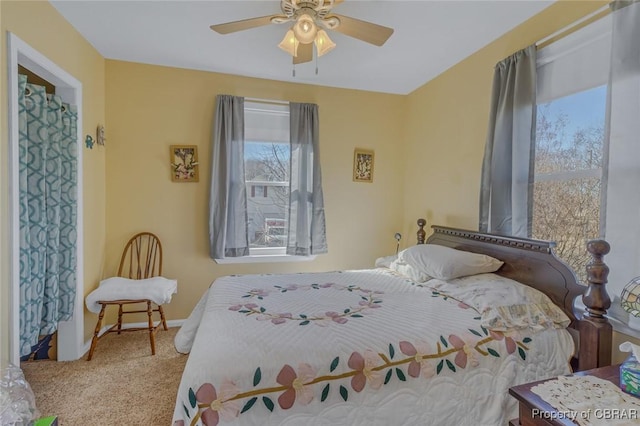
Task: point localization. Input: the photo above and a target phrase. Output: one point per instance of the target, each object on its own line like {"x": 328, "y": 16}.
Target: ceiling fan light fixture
{"x": 310, "y": 19}
{"x": 323, "y": 43}
{"x": 289, "y": 43}
{"x": 305, "y": 29}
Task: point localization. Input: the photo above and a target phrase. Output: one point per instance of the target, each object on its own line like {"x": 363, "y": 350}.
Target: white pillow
{"x": 414, "y": 274}
{"x": 445, "y": 263}
{"x": 504, "y": 304}
{"x": 385, "y": 262}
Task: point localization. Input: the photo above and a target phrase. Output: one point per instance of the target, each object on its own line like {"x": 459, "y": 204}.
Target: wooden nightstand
{"x": 531, "y": 403}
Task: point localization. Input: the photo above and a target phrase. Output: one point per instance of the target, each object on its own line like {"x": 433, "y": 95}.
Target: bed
{"x": 387, "y": 346}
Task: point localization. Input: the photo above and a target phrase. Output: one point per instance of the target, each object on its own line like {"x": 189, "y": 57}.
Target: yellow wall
{"x": 447, "y": 125}
{"x": 151, "y": 107}
{"x": 38, "y": 24}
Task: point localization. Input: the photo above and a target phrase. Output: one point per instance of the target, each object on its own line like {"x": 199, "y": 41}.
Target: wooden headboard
{"x": 533, "y": 262}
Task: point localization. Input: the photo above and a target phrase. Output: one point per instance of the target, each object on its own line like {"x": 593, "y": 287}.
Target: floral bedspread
{"x": 363, "y": 347}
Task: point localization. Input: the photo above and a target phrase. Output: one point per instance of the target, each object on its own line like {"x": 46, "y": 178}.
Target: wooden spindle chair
{"x": 141, "y": 258}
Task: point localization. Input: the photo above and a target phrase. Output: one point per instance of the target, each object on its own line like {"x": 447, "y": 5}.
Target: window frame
{"x": 265, "y": 254}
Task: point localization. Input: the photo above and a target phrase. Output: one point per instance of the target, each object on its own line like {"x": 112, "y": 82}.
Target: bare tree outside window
{"x": 567, "y": 187}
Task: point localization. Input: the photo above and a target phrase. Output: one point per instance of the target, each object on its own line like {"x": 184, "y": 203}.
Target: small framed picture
{"x": 363, "y": 165}
{"x": 184, "y": 163}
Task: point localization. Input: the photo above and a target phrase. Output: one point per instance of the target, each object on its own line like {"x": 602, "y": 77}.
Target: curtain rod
{"x": 266, "y": 101}
{"x": 574, "y": 26}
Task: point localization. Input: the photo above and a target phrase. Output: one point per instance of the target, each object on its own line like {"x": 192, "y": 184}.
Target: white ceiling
{"x": 430, "y": 36}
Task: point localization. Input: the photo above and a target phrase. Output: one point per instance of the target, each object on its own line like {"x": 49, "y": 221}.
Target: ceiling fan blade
{"x": 245, "y": 24}
{"x": 362, "y": 30}
{"x": 305, "y": 54}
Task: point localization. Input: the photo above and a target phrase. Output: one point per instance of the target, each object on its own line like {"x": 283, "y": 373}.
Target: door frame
{"x": 71, "y": 332}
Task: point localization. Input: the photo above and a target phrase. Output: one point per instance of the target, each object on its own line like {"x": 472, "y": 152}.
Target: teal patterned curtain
{"x": 48, "y": 212}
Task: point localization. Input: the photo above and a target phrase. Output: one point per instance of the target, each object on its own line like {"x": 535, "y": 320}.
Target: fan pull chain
{"x": 293, "y": 72}
{"x": 316, "y": 64}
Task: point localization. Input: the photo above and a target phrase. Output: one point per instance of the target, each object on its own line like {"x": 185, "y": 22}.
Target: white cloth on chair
{"x": 157, "y": 289}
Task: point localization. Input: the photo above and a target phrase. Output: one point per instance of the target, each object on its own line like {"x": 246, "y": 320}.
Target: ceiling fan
{"x": 310, "y": 19}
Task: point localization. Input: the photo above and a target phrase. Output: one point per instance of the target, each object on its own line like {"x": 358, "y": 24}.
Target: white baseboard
{"x": 170, "y": 324}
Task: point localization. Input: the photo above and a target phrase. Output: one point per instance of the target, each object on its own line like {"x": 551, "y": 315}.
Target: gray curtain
{"x": 506, "y": 191}
{"x": 228, "y": 233}
{"x": 306, "y": 206}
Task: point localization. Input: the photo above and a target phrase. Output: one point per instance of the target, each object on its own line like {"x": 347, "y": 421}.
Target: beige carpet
{"x": 122, "y": 385}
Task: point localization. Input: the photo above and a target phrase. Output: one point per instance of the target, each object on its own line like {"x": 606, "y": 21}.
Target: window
{"x": 267, "y": 162}
{"x": 258, "y": 190}
{"x": 568, "y": 187}
{"x": 252, "y": 148}
{"x": 568, "y": 194}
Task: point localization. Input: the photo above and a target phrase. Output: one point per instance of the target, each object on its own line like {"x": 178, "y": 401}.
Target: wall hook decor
{"x": 398, "y": 237}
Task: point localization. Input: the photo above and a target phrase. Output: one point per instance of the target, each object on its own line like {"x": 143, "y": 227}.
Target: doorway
{"x": 71, "y": 332}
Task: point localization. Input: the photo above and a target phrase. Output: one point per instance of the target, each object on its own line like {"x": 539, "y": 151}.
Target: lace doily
{"x": 588, "y": 400}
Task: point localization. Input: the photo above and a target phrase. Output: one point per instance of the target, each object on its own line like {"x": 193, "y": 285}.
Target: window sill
{"x": 265, "y": 258}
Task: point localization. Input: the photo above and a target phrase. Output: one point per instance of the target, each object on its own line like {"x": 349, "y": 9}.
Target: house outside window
{"x": 258, "y": 190}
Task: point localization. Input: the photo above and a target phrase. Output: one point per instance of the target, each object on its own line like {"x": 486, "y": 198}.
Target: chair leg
{"x": 119, "y": 318}
{"x": 94, "y": 341}
{"x": 152, "y": 336}
{"x": 164, "y": 321}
